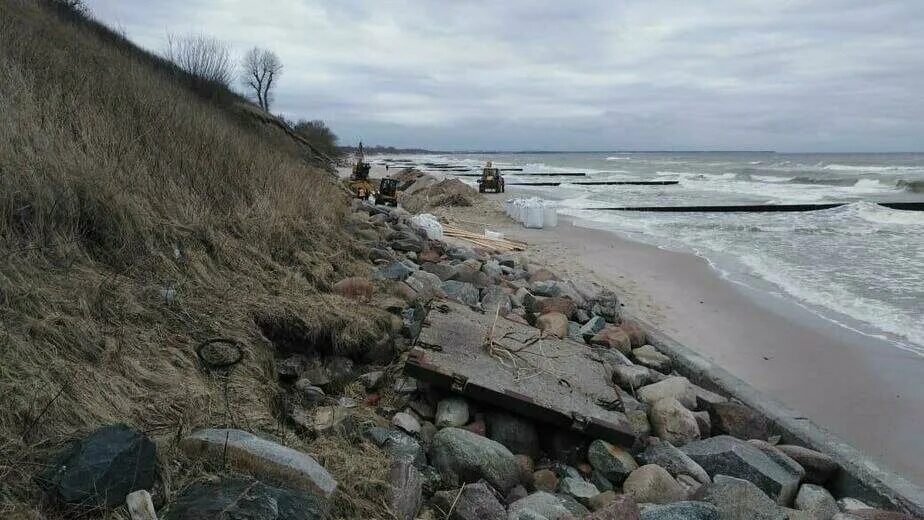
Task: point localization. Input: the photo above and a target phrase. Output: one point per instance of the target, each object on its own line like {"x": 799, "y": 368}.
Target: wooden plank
{"x": 555, "y": 381}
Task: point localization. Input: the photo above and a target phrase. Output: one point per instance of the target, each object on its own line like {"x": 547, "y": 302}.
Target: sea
{"x": 860, "y": 265}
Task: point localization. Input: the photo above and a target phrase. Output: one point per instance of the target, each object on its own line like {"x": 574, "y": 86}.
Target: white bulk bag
{"x": 429, "y": 224}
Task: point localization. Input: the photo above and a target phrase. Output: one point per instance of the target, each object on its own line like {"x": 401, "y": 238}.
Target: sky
{"x": 785, "y": 75}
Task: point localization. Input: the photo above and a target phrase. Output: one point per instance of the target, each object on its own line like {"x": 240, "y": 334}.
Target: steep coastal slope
{"x": 143, "y": 212}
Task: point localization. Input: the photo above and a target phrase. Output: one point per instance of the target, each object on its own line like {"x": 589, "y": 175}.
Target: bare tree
{"x": 202, "y": 56}
{"x": 261, "y": 68}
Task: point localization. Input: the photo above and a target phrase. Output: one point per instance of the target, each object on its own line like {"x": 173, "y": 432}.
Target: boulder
{"x": 673, "y": 422}
{"x": 553, "y": 324}
{"x": 687, "y": 510}
{"x": 544, "y": 505}
{"x": 443, "y": 270}
{"x": 262, "y": 458}
{"x": 371, "y": 380}
{"x": 519, "y": 435}
{"x": 405, "y": 495}
{"x": 495, "y": 300}
{"x": 407, "y": 244}
{"x": 876, "y": 514}
{"x": 738, "y": 420}
{"x": 613, "y": 337}
{"x": 564, "y": 445}
{"x": 592, "y": 326}
{"x": 603, "y": 484}
{"x": 574, "y": 332}
{"x": 393, "y": 271}
{"x": 677, "y": 387}
{"x": 451, "y": 412}
{"x": 322, "y": 419}
{"x": 541, "y": 275}
{"x": 462, "y": 292}
{"x": 649, "y": 356}
{"x": 101, "y": 469}
{"x": 635, "y": 332}
{"x": 462, "y": 456}
{"x": 549, "y": 288}
{"x": 631, "y": 377}
{"x": 354, "y": 287}
{"x": 244, "y": 499}
{"x": 705, "y": 399}
{"x": 726, "y": 455}
{"x": 492, "y": 269}
{"x": 819, "y": 468}
{"x": 406, "y": 422}
{"x": 339, "y": 369}
{"x": 545, "y": 480}
{"x": 638, "y": 419}
{"x": 614, "y": 463}
{"x": 738, "y": 499}
{"x": 615, "y": 507}
{"x": 606, "y": 305}
{"x": 704, "y": 422}
{"x": 579, "y": 489}
{"x": 785, "y": 461}
{"x": 816, "y": 501}
{"x": 652, "y": 483}
{"x": 848, "y": 504}
{"x": 675, "y": 461}
{"x": 290, "y": 368}
{"x": 399, "y": 445}
{"x": 427, "y": 285}
{"x": 473, "y": 502}
{"x": 557, "y": 304}
{"x": 690, "y": 484}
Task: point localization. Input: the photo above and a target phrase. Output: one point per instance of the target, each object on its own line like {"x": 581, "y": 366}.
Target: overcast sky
{"x": 788, "y": 75}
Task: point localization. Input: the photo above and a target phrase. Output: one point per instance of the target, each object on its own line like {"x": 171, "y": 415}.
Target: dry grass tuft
{"x": 139, "y": 217}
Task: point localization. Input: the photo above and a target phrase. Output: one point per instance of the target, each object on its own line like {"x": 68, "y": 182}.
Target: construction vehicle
{"x": 359, "y": 179}
{"x": 491, "y": 179}
{"x": 387, "y": 193}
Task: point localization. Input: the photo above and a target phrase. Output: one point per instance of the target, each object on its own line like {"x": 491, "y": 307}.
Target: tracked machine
{"x": 360, "y": 185}
{"x": 491, "y": 179}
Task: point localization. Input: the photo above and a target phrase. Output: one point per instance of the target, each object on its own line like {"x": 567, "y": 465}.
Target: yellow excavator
{"x": 360, "y": 185}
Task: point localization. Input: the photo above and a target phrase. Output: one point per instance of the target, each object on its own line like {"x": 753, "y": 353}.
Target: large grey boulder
{"x": 462, "y": 292}
{"x": 393, "y": 271}
{"x": 650, "y": 357}
{"x": 816, "y": 501}
{"x": 405, "y": 495}
{"x": 677, "y": 387}
{"x": 676, "y": 462}
{"x": 519, "y": 435}
{"x": 653, "y": 484}
{"x": 102, "y": 468}
{"x": 620, "y": 507}
{"x": 473, "y": 502}
{"x": 673, "y": 422}
{"x": 592, "y": 327}
{"x": 739, "y": 499}
{"x": 819, "y": 468}
{"x": 606, "y": 305}
{"x": 463, "y": 456}
{"x": 613, "y": 462}
{"x": 245, "y": 499}
{"x": 785, "y": 461}
{"x": 726, "y": 455}
{"x": 738, "y": 420}
{"x": 686, "y": 510}
{"x": 399, "y": 445}
{"x": 578, "y": 489}
{"x": 262, "y": 458}
{"x": 631, "y": 377}
{"x": 444, "y": 271}
{"x": 451, "y": 412}
{"x": 542, "y": 505}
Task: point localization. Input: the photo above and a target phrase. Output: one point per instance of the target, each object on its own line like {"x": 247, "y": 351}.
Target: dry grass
{"x": 119, "y": 185}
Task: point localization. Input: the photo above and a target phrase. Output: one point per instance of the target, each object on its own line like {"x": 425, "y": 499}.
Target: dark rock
{"x": 631, "y": 377}
{"x": 592, "y": 327}
{"x": 726, "y": 455}
{"x": 704, "y": 422}
{"x": 102, "y": 468}
{"x": 603, "y": 484}
{"x": 573, "y": 506}
{"x": 340, "y": 369}
{"x": 244, "y": 500}
{"x": 492, "y": 270}
{"x": 393, "y": 271}
{"x": 462, "y": 253}
{"x": 739, "y": 421}
{"x": 462, "y": 456}
{"x": 407, "y": 244}
{"x": 574, "y": 332}
{"x": 377, "y": 254}
{"x": 614, "y": 463}
{"x": 606, "y": 305}
{"x": 443, "y": 270}
{"x": 399, "y": 445}
{"x": 474, "y": 502}
{"x": 371, "y": 380}
{"x": 688, "y": 510}
{"x": 519, "y": 435}
{"x": 619, "y": 507}
{"x": 412, "y": 320}
{"x": 545, "y": 288}
{"x": 540, "y": 505}
{"x": 738, "y": 499}
{"x": 819, "y": 468}
{"x": 705, "y": 399}
{"x": 507, "y": 260}
{"x": 312, "y": 393}
{"x": 578, "y": 489}
{"x": 406, "y": 493}
{"x": 290, "y": 368}
{"x": 675, "y": 461}
{"x": 582, "y": 316}
{"x": 461, "y": 292}
{"x": 564, "y": 445}
{"x": 516, "y": 493}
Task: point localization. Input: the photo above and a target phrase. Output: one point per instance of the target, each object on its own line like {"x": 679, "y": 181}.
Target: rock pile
{"x": 452, "y": 457}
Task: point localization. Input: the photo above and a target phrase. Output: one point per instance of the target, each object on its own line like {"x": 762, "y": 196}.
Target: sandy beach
{"x": 864, "y": 390}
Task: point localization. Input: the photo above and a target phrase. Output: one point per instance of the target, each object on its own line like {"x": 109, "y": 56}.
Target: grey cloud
{"x": 796, "y": 75}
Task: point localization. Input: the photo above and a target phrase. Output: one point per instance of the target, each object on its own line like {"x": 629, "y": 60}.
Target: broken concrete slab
{"x": 554, "y": 381}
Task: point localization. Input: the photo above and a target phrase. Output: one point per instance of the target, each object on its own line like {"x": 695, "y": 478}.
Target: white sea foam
{"x": 771, "y": 178}
{"x": 614, "y": 158}
{"x": 869, "y": 168}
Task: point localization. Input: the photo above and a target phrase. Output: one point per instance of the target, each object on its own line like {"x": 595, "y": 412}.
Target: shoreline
{"x": 862, "y": 389}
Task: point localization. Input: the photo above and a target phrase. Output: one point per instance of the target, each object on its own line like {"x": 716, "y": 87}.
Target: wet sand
{"x": 864, "y": 390}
